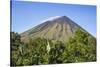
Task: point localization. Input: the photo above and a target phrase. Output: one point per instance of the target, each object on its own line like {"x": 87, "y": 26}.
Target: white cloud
{"x": 51, "y": 18}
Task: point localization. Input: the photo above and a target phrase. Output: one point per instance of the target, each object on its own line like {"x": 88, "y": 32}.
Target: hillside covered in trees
{"x": 79, "y": 48}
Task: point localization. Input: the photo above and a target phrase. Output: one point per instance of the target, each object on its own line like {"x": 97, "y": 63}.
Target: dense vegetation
{"x": 80, "y": 48}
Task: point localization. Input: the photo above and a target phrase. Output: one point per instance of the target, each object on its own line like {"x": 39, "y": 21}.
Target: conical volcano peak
{"x": 61, "y": 20}
{"x": 59, "y": 17}
{"x": 55, "y": 28}
{"x": 55, "y": 18}
{"x": 63, "y": 17}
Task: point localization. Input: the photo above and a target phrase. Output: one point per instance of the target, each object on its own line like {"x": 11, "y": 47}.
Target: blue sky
{"x": 26, "y": 15}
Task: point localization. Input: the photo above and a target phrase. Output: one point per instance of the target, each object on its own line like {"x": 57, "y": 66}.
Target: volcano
{"x": 57, "y": 28}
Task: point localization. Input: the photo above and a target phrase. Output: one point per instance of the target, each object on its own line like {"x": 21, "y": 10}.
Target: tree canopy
{"x": 79, "y": 48}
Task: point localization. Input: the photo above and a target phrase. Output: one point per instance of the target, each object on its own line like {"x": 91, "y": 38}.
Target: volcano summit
{"x": 56, "y": 28}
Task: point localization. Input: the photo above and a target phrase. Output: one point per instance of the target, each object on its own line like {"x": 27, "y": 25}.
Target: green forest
{"x": 79, "y": 48}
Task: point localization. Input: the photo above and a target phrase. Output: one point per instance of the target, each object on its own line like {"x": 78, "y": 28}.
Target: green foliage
{"x": 15, "y": 51}
{"x": 80, "y": 48}
{"x": 56, "y": 52}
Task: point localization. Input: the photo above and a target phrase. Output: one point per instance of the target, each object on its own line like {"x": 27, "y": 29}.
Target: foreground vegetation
{"x": 80, "y": 48}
